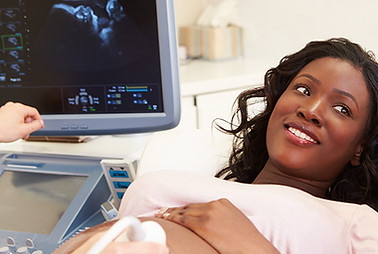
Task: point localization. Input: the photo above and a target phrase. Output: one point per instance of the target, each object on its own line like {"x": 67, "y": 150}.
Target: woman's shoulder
{"x": 363, "y": 230}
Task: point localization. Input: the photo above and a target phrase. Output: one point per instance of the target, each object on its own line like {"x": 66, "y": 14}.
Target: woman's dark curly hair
{"x": 249, "y": 155}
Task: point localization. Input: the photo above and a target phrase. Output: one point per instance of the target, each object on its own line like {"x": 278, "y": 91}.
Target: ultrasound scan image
{"x": 89, "y": 35}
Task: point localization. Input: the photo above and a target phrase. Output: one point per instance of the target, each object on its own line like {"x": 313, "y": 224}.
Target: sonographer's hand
{"x": 18, "y": 121}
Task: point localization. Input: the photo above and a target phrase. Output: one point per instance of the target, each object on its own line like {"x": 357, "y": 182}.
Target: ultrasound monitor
{"x": 91, "y": 67}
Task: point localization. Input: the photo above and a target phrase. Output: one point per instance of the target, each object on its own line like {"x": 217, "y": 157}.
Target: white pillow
{"x": 185, "y": 150}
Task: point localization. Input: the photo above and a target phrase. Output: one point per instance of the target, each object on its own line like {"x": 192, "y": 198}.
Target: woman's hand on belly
{"x": 222, "y": 225}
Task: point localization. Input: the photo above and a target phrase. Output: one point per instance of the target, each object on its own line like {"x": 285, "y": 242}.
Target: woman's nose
{"x": 312, "y": 111}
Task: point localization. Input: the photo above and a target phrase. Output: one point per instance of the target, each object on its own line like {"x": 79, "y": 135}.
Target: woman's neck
{"x": 272, "y": 175}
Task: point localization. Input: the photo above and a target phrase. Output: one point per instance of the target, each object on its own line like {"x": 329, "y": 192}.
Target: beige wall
{"x": 274, "y": 28}
{"x": 187, "y": 11}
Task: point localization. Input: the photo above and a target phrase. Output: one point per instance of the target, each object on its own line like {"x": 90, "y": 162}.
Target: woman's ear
{"x": 355, "y": 161}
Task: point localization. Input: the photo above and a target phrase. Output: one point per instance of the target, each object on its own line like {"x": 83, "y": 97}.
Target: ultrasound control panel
{"x": 46, "y": 199}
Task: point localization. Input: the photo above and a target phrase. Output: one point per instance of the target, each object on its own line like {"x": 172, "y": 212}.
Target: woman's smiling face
{"x": 317, "y": 125}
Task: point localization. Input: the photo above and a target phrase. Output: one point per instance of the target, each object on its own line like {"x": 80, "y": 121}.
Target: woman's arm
{"x": 222, "y": 225}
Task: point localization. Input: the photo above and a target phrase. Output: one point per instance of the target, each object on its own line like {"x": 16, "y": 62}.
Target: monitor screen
{"x": 35, "y": 202}
{"x": 91, "y": 66}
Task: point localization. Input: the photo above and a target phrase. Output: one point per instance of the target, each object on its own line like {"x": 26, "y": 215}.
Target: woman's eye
{"x": 343, "y": 110}
{"x": 304, "y": 90}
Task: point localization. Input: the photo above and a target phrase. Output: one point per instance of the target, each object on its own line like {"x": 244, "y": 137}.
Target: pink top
{"x": 292, "y": 220}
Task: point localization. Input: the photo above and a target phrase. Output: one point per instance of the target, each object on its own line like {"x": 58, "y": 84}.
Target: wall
{"x": 275, "y": 28}
{"x": 187, "y": 11}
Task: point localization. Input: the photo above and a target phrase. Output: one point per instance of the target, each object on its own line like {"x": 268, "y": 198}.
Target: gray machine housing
{"x": 82, "y": 212}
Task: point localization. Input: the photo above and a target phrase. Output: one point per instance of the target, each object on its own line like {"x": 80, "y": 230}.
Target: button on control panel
{"x": 4, "y": 250}
{"x": 27, "y": 248}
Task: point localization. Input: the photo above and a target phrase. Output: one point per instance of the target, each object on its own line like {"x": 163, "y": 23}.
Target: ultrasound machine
{"x": 91, "y": 67}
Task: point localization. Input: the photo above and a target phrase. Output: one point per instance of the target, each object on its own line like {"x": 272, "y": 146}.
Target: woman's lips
{"x": 301, "y": 134}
